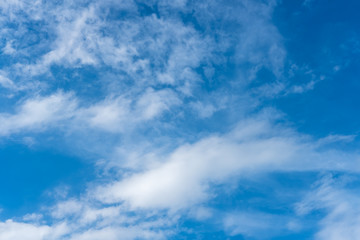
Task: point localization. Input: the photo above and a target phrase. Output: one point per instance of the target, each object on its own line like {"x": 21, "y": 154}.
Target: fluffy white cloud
{"x": 37, "y": 113}
{"x": 113, "y": 115}
{"x": 182, "y": 179}
{"x": 10, "y": 230}
{"x": 185, "y": 176}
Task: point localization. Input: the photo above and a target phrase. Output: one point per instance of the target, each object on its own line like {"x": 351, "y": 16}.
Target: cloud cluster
{"x": 63, "y": 109}
{"x": 183, "y": 179}
{"x": 150, "y": 72}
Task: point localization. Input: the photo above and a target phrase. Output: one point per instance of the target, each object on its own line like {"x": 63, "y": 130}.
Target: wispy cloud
{"x": 340, "y": 205}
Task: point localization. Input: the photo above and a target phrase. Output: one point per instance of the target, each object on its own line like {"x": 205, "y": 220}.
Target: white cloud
{"x": 184, "y": 178}
{"x": 38, "y": 113}
{"x": 110, "y": 114}
{"x": 67, "y": 208}
{"x": 63, "y": 109}
{"x": 84, "y": 38}
{"x": 204, "y": 110}
{"x": 10, "y": 230}
{"x": 6, "y": 82}
{"x": 342, "y": 217}
{"x": 81, "y": 219}
{"x": 151, "y": 50}
{"x": 122, "y": 114}
{"x": 152, "y": 103}
{"x": 32, "y": 217}
{"x": 336, "y": 139}
{"x": 8, "y": 49}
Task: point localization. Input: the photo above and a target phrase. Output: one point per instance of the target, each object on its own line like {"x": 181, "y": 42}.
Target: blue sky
{"x": 179, "y": 119}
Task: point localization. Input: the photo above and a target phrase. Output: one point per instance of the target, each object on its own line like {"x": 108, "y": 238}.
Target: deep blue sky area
{"x": 179, "y": 119}
{"x": 26, "y": 174}
{"x": 326, "y": 38}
